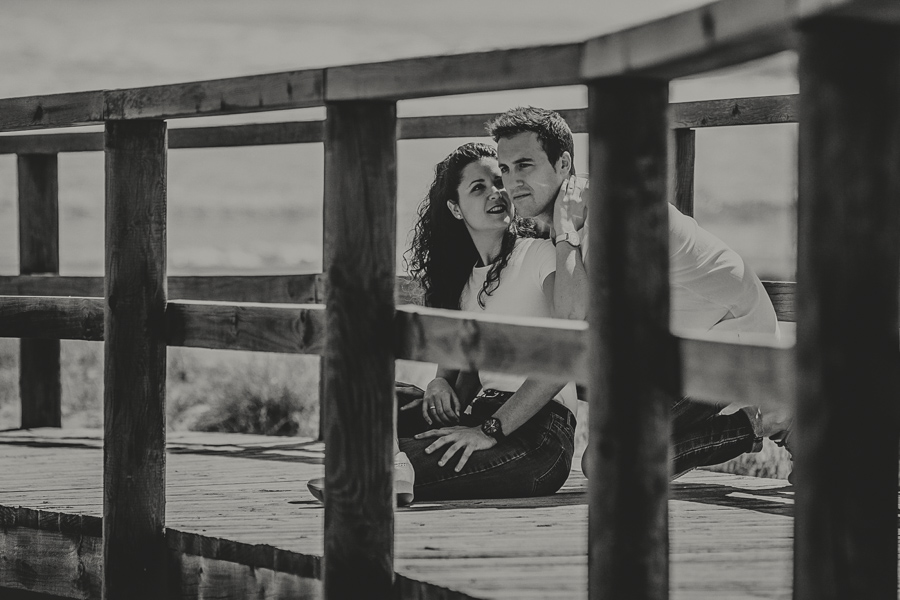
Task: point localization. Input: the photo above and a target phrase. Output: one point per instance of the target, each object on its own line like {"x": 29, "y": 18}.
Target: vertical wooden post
{"x": 134, "y": 460}
{"x": 39, "y": 373}
{"x": 685, "y": 156}
{"x": 847, "y": 318}
{"x": 635, "y": 374}
{"x": 360, "y": 220}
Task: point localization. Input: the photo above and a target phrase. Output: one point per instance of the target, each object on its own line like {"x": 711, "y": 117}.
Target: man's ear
{"x": 565, "y": 163}
{"x": 454, "y": 209}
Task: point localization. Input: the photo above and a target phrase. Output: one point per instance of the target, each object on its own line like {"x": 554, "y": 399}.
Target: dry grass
{"x": 206, "y": 390}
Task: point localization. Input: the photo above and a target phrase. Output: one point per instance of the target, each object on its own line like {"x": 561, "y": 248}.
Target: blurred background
{"x": 259, "y": 210}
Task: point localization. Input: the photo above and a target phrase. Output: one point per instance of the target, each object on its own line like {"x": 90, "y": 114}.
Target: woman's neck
{"x": 488, "y": 244}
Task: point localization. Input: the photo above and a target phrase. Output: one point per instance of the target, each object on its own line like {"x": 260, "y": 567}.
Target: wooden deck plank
{"x": 730, "y": 536}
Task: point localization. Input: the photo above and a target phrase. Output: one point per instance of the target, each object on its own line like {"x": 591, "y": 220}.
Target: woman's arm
{"x": 531, "y": 397}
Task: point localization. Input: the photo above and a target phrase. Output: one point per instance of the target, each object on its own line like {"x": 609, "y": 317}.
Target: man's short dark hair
{"x": 552, "y": 130}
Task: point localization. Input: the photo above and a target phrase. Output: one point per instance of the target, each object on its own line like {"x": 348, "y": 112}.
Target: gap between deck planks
{"x": 731, "y": 536}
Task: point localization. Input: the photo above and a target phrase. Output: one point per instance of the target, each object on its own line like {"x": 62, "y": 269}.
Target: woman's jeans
{"x": 534, "y": 460}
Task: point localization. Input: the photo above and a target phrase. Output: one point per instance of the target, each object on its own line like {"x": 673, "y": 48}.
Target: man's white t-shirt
{"x": 712, "y": 289}
{"x": 519, "y": 293}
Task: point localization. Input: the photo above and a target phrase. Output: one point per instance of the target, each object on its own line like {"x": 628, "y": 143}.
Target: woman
{"x": 515, "y": 438}
{"x": 468, "y": 253}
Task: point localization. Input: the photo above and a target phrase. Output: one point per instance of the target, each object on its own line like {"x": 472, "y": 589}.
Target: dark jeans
{"x": 534, "y": 460}
{"x": 703, "y": 437}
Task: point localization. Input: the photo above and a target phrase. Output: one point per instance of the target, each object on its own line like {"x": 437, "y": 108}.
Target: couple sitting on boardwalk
{"x": 477, "y": 247}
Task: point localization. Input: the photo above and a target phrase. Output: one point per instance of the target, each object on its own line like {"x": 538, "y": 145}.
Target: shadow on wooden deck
{"x": 236, "y": 500}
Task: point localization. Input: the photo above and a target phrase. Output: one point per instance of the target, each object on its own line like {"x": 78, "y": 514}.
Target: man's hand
{"x": 440, "y": 404}
{"x": 569, "y": 209}
{"x": 467, "y": 439}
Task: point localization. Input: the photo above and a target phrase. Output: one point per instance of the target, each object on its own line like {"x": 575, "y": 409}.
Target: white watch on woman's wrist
{"x": 573, "y": 238}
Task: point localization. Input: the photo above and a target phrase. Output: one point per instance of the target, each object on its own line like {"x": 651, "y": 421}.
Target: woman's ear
{"x": 454, "y": 209}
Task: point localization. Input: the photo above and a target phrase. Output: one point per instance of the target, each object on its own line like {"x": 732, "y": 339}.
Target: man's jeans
{"x": 702, "y": 437}
{"x": 534, "y": 460}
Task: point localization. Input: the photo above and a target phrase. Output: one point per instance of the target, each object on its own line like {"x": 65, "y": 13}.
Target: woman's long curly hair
{"x": 442, "y": 254}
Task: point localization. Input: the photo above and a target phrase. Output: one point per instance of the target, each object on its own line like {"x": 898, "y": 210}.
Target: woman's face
{"x": 483, "y": 203}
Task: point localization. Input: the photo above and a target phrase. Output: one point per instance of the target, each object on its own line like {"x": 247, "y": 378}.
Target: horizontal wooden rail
{"x": 284, "y": 289}
{"x": 284, "y": 328}
{"x": 717, "y": 35}
{"x": 754, "y": 371}
{"x": 51, "y": 318}
{"x": 682, "y": 115}
{"x": 278, "y": 289}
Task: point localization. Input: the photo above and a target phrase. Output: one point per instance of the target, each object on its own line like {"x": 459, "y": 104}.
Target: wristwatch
{"x": 572, "y": 237}
{"x": 493, "y": 428}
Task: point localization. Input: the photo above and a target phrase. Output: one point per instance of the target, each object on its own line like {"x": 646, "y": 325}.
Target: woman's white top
{"x": 519, "y": 293}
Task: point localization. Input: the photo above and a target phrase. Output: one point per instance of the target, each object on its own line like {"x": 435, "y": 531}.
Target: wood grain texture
{"x": 761, "y": 110}
{"x": 58, "y": 110}
{"x": 847, "y": 313}
{"x": 134, "y": 390}
{"x": 713, "y": 36}
{"x": 754, "y": 370}
{"x": 282, "y": 289}
{"x": 553, "y": 348}
{"x": 291, "y": 329}
{"x": 360, "y": 246}
{"x": 237, "y": 95}
{"x": 782, "y": 293}
{"x": 51, "y": 318}
{"x": 758, "y": 371}
{"x": 682, "y": 115}
{"x": 632, "y": 355}
{"x": 731, "y": 536}
{"x": 542, "y": 66}
{"x": 40, "y": 387}
{"x": 685, "y": 155}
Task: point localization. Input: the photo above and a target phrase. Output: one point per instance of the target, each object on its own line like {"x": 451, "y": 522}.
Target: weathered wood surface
{"x": 358, "y": 359}
{"x": 682, "y": 115}
{"x": 634, "y": 374}
{"x": 286, "y": 328}
{"x": 541, "y": 66}
{"x": 754, "y": 369}
{"x": 762, "y": 110}
{"x": 685, "y": 157}
{"x": 134, "y": 381}
{"x": 39, "y": 372}
{"x": 237, "y": 95}
{"x": 51, "y": 318}
{"x": 731, "y": 536}
{"x": 276, "y": 289}
{"x": 717, "y": 35}
{"x": 291, "y": 289}
{"x": 847, "y": 312}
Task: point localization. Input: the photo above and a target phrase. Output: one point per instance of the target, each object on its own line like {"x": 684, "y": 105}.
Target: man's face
{"x": 531, "y": 181}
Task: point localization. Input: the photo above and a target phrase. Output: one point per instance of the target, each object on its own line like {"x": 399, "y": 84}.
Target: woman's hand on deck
{"x": 440, "y": 405}
{"x": 467, "y": 439}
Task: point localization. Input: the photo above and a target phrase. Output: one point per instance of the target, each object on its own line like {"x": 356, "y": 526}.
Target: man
{"x": 711, "y": 287}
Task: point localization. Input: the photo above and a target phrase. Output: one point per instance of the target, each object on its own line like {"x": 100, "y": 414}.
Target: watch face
{"x": 492, "y": 427}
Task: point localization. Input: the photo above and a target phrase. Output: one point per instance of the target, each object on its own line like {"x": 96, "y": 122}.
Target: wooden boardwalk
{"x": 731, "y": 537}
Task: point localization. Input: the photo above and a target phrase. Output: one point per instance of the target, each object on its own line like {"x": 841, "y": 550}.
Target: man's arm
{"x": 570, "y": 283}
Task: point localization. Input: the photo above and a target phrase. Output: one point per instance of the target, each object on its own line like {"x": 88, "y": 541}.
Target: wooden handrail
{"x": 682, "y": 115}
{"x": 724, "y": 33}
{"x": 757, "y": 371}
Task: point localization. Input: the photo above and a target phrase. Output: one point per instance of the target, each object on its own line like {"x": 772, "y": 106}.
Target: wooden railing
{"x": 847, "y": 305}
